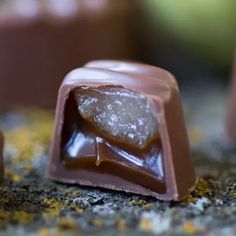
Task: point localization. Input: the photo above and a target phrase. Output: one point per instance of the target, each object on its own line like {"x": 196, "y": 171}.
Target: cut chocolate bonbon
{"x": 120, "y": 126}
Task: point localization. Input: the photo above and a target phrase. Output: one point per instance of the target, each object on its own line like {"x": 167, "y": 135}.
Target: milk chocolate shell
{"x": 120, "y": 126}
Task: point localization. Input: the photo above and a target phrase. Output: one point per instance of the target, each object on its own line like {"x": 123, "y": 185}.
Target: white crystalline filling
{"x": 122, "y": 114}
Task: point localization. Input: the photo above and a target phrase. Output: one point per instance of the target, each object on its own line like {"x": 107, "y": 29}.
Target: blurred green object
{"x": 203, "y": 27}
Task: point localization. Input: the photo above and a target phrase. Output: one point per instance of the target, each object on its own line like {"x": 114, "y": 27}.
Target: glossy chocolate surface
{"x": 118, "y": 113}
{"x": 160, "y": 165}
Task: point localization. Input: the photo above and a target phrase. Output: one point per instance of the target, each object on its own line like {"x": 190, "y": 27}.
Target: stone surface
{"x": 32, "y": 205}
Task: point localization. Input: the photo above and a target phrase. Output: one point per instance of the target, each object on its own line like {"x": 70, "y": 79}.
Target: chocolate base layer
{"x": 161, "y": 88}
{"x": 41, "y": 41}
{"x": 1, "y": 157}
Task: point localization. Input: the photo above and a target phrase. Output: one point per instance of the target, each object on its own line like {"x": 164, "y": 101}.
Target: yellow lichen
{"x": 50, "y": 232}
{"x": 44, "y": 232}
{"x": 201, "y": 190}
{"x": 67, "y": 224}
{"x": 54, "y": 207}
{"x": 97, "y": 222}
{"x": 121, "y": 225}
{"x": 2, "y": 215}
{"x": 139, "y": 202}
{"x": 31, "y": 138}
{"x": 79, "y": 210}
{"x": 148, "y": 206}
{"x": 145, "y": 225}
{"x": 196, "y": 135}
{"x": 142, "y": 203}
{"x": 21, "y": 217}
{"x": 190, "y": 228}
{"x": 13, "y": 176}
{"x": 72, "y": 194}
{"x": 27, "y": 168}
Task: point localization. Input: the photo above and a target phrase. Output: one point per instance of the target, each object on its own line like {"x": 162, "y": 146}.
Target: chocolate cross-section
{"x": 119, "y": 125}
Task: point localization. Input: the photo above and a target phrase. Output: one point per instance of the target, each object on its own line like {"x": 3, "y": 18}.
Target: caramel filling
{"x": 111, "y": 129}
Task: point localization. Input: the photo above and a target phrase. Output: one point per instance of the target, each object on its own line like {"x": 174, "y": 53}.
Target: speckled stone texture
{"x": 32, "y": 205}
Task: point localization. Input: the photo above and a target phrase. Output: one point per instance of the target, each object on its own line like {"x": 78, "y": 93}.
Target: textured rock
{"x": 32, "y": 205}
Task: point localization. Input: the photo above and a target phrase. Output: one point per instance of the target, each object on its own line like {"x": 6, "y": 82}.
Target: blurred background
{"x": 42, "y": 40}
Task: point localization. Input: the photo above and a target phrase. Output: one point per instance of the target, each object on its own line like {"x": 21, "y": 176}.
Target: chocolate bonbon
{"x": 1, "y": 157}
{"x": 42, "y": 40}
{"x": 120, "y": 125}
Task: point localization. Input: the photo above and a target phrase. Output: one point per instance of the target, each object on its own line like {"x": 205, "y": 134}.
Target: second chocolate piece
{"x": 42, "y": 40}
